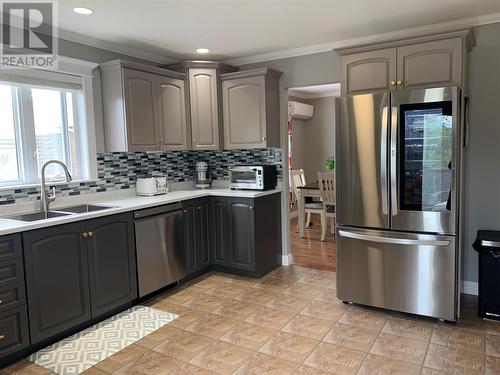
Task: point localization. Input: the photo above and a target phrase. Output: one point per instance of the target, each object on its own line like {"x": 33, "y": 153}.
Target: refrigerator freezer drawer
{"x": 412, "y": 273}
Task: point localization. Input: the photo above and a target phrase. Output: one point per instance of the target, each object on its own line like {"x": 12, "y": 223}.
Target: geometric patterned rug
{"x": 76, "y": 353}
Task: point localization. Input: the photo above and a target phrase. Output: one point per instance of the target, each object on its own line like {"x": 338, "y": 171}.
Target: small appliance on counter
{"x": 203, "y": 180}
{"x": 149, "y": 186}
{"x": 253, "y": 177}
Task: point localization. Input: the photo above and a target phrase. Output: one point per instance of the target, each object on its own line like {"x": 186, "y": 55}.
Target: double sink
{"x": 63, "y": 211}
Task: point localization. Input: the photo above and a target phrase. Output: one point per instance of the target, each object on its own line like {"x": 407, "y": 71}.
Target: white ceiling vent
{"x": 300, "y": 111}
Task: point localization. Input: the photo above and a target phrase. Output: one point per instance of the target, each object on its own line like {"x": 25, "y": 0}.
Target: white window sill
{"x": 48, "y": 183}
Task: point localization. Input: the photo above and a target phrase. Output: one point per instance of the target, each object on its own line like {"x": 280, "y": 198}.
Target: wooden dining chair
{"x": 298, "y": 178}
{"x": 327, "y": 189}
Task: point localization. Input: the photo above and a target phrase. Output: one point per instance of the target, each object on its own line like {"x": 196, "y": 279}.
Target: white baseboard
{"x": 286, "y": 260}
{"x": 470, "y": 287}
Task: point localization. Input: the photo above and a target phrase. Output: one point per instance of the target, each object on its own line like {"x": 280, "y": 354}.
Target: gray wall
{"x": 314, "y": 139}
{"x": 482, "y": 187}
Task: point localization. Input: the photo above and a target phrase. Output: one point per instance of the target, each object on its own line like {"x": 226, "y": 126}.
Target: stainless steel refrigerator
{"x": 397, "y": 177}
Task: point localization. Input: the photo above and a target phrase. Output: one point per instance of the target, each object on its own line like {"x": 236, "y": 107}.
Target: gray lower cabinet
{"x": 246, "y": 234}
{"x": 57, "y": 279}
{"x": 78, "y": 271}
{"x": 14, "y": 332}
{"x": 112, "y": 263}
{"x": 196, "y": 232}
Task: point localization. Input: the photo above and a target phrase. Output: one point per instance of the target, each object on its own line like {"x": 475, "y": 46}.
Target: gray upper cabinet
{"x": 172, "y": 114}
{"x": 436, "y": 63}
{"x": 250, "y": 102}
{"x": 369, "y": 71}
{"x": 204, "y": 108}
{"x": 143, "y": 131}
{"x": 430, "y": 61}
{"x": 144, "y": 108}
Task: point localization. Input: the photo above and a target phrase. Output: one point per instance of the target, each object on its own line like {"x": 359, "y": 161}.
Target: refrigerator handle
{"x": 394, "y": 160}
{"x": 391, "y": 240}
{"x": 383, "y": 161}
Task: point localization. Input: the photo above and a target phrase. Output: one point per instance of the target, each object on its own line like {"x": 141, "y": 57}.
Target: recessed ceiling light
{"x": 85, "y": 11}
{"x": 202, "y": 50}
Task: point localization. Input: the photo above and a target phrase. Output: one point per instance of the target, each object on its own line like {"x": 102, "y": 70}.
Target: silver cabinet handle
{"x": 490, "y": 243}
{"x": 390, "y": 240}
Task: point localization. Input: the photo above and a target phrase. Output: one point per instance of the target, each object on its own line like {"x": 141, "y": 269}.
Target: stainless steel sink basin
{"x": 82, "y": 208}
{"x": 35, "y": 216}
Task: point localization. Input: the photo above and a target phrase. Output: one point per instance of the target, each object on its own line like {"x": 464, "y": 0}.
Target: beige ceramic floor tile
{"x": 123, "y": 357}
{"x": 187, "y": 317}
{"x": 206, "y": 303}
{"x": 289, "y": 347}
{"x": 222, "y": 358}
{"x": 492, "y": 365}
{"x": 375, "y": 365}
{"x": 183, "y": 295}
{"x": 493, "y": 345}
{"x": 325, "y": 310}
{"x": 273, "y": 284}
{"x": 411, "y": 328}
{"x": 288, "y": 302}
{"x": 303, "y": 290}
{"x": 237, "y": 310}
{"x": 464, "y": 339}
{"x": 184, "y": 346}
{"x": 261, "y": 364}
{"x": 213, "y": 326}
{"x": 248, "y": 335}
{"x": 207, "y": 283}
{"x": 94, "y": 371}
{"x": 157, "y": 337}
{"x": 270, "y": 318}
{"x": 493, "y": 328}
{"x": 228, "y": 290}
{"x": 400, "y": 348}
{"x": 358, "y": 338}
{"x": 308, "y": 326}
{"x": 453, "y": 360}
{"x": 155, "y": 363}
{"x": 334, "y": 358}
{"x": 308, "y": 370}
{"x": 359, "y": 317}
{"x": 328, "y": 295}
{"x": 257, "y": 296}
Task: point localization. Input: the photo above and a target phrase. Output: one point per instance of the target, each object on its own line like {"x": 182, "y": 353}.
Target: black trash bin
{"x": 487, "y": 244}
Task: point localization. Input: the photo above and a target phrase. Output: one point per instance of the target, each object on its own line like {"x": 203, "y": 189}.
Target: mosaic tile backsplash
{"x": 117, "y": 171}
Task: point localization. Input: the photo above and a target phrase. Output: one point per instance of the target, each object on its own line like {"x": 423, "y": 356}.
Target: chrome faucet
{"x": 45, "y": 198}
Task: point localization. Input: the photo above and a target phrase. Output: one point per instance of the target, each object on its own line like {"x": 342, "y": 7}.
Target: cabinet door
{"x": 143, "y": 133}
{"x": 201, "y": 244}
{"x": 244, "y": 112}
{"x": 190, "y": 241}
{"x": 14, "y": 331}
{"x": 218, "y": 230}
{"x": 241, "y": 230}
{"x": 204, "y": 108}
{"x": 112, "y": 266}
{"x": 57, "y": 280}
{"x": 437, "y": 63}
{"x": 172, "y": 114}
{"x": 369, "y": 71}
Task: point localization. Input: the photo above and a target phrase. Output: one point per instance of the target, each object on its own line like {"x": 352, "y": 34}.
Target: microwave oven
{"x": 253, "y": 177}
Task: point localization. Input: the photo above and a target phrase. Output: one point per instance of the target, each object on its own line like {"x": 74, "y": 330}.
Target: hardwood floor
{"x": 310, "y": 251}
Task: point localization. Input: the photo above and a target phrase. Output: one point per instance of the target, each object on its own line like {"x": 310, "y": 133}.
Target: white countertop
{"x": 121, "y": 201}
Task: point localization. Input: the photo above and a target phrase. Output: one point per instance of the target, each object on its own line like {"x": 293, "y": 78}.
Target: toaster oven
{"x": 253, "y": 177}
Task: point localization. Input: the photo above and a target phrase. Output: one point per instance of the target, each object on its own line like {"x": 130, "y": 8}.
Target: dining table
{"x": 304, "y": 191}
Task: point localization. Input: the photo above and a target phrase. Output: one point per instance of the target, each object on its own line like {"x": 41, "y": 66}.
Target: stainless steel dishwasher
{"x": 160, "y": 242}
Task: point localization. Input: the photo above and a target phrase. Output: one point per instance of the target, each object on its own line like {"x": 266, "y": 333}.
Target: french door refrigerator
{"x": 397, "y": 176}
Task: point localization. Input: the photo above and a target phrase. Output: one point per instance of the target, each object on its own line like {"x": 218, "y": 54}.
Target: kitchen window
{"x": 41, "y": 120}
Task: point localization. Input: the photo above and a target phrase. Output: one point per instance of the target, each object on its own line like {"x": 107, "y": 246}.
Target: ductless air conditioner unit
{"x": 300, "y": 111}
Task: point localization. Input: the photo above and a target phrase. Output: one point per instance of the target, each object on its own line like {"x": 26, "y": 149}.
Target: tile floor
{"x": 290, "y": 322}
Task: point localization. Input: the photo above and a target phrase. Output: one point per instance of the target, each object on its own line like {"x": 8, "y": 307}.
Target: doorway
{"x": 311, "y": 149}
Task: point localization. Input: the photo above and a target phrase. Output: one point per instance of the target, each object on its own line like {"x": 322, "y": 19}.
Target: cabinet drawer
{"x": 10, "y": 247}
{"x": 12, "y": 296}
{"x": 13, "y": 331}
{"x": 11, "y": 272}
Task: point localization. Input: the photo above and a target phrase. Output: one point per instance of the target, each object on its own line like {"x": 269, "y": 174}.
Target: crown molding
{"x": 369, "y": 39}
{"x": 114, "y": 47}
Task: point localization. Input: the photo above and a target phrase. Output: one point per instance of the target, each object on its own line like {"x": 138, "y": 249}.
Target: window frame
{"x": 86, "y": 116}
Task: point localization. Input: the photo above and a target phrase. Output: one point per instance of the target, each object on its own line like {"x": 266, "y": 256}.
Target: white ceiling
{"x": 234, "y": 29}
{"x": 316, "y": 91}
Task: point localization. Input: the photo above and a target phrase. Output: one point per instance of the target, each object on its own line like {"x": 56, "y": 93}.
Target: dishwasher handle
{"x": 157, "y": 210}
